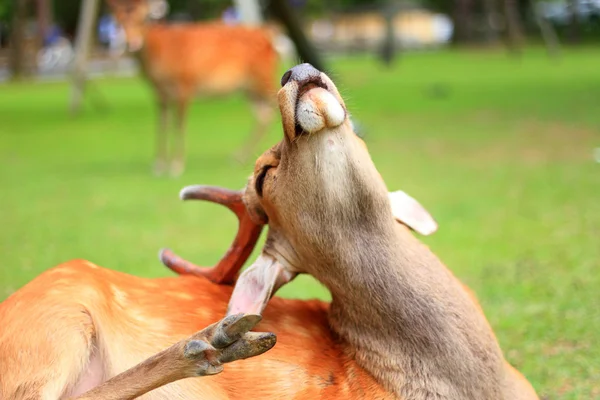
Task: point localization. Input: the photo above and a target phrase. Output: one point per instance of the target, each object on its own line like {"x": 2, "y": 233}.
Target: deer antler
{"x": 247, "y": 235}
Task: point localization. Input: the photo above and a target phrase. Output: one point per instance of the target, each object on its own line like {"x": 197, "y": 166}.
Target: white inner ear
{"x": 411, "y": 213}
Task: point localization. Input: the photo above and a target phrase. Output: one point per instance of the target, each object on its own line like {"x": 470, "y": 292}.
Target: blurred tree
{"x": 514, "y": 28}
{"x": 574, "y": 33}
{"x": 66, "y": 14}
{"x": 547, "y": 30}
{"x": 18, "y": 54}
{"x": 85, "y": 32}
{"x": 358, "y": 3}
{"x": 492, "y": 23}
{"x": 282, "y": 10}
{"x": 5, "y": 10}
{"x": 462, "y": 15}
{"x": 389, "y": 11}
{"x": 316, "y": 8}
{"x": 44, "y": 18}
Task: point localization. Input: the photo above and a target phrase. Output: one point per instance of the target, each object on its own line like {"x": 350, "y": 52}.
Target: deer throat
{"x": 418, "y": 329}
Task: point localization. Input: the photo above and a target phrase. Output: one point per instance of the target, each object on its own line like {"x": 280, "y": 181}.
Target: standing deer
{"x": 399, "y": 326}
{"x": 184, "y": 60}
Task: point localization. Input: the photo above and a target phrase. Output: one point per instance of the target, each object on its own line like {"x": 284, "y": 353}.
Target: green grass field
{"x": 500, "y": 151}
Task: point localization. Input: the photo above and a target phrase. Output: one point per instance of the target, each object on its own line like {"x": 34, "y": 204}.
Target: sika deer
{"x": 184, "y": 60}
{"x": 400, "y": 325}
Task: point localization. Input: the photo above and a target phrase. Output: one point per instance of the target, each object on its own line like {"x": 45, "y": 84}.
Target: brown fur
{"x": 52, "y": 325}
{"x": 400, "y": 324}
{"x": 184, "y": 60}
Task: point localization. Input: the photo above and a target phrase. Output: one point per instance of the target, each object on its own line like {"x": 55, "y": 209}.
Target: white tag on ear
{"x": 409, "y": 212}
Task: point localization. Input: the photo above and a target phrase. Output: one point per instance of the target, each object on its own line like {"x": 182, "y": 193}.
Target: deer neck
{"x": 402, "y": 315}
{"x": 147, "y": 34}
{"x": 406, "y": 319}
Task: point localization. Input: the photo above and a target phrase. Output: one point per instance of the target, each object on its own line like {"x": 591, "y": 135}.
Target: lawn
{"x": 500, "y": 151}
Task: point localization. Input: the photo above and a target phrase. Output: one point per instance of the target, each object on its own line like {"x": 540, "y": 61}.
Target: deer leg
{"x": 263, "y": 110}
{"x": 202, "y": 354}
{"x": 160, "y": 162}
{"x": 178, "y": 162}
{"x": 70, "y": 348}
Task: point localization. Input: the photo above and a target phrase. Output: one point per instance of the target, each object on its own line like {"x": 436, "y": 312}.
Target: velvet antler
{"x": 226, "y": 270}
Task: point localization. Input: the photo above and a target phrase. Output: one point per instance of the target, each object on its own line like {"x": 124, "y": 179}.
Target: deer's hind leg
{"x": 47, "y": 352}
{"x": 162, "y": 128}
{"x": 178, "y": 160}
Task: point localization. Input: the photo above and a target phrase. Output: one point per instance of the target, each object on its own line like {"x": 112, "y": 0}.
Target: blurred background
{"x": 486, "y": 111}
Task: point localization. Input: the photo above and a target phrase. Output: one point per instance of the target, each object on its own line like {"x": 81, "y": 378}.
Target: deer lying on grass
{"x": 400, "y": 325}
{"x": 184, "y": 60}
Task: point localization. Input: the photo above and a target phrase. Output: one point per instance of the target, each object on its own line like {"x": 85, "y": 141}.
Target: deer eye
{"x": 260, "y": 179}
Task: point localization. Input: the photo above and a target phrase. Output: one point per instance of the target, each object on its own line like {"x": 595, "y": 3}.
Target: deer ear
{"x": 411, "y": 213}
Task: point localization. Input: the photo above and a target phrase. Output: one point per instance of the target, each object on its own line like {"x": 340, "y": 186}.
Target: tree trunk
{"x": 548, "y": 33}
{"x": 85, "y": 28}
{"x": 575, "y": 23}
{"x": 514, "y": 28}
{"x": 44, "y": 17}
{"x": 18, "y": 54}
{"x": 463, "y": 21}
{"x": 282, "y": 11}
{"x": 490, "y": 11}
{"x": 389, "y": 41}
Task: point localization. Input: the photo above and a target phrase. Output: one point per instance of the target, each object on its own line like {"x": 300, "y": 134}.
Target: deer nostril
{"x": 286, "y": 77}
{"x": 300, "y": 73}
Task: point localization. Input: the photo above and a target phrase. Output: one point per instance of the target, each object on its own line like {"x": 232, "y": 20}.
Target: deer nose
{"x": 300, "y": 73}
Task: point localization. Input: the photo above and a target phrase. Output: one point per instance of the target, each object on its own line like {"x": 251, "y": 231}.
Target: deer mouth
{"x": 313, "y": 83}
{"x": 317, "y": 109}
{"x": 309, "y": 102}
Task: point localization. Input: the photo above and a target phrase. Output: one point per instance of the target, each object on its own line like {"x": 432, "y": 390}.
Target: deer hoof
{"x": 233, "y": 337}
{"x": 228, "y": 340}
{"x": 203, "y": 356}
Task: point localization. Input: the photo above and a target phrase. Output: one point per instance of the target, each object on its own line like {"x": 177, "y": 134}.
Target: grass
{"x": 500, "y": 151}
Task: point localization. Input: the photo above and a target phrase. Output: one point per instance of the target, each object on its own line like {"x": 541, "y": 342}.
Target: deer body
{"x": 78, "y": 324}
{"x": 186, "y": 60}
{"x": 399, "y": 326}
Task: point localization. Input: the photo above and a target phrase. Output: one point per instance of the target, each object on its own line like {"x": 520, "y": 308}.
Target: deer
{"x": 182, "y": 61}
{"x": 399, "y": 325}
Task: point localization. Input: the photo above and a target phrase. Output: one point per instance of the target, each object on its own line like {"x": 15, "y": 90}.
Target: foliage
{"x": 5, "y": 10}
{"x": 501, "y": 153}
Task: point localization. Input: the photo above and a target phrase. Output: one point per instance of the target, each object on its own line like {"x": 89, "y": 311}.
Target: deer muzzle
{"x": 309, "y": 102}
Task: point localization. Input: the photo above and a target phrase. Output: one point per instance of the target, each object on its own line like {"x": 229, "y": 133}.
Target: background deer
{"x": 184, "y": 60}
{"x": 400, "y": 325}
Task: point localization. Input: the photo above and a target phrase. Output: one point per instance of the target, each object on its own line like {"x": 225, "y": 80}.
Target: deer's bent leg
{"x": 162, "y": 128}
{"x": 47, "y": 351}
{"x": 178, "y": 158}
{"x": 204, "y": 353}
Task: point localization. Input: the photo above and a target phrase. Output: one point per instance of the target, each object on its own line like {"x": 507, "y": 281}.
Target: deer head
{"x": 133, "y": 15}
{"x": 318, "y": 191}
